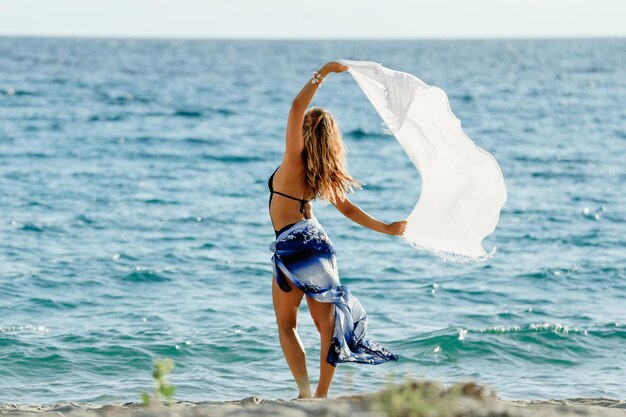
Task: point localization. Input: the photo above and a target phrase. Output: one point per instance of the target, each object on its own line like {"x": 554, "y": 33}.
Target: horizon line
{"x": 342, "y": 38}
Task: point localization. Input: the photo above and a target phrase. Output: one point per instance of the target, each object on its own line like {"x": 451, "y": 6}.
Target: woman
{"x": 313, "y": 166}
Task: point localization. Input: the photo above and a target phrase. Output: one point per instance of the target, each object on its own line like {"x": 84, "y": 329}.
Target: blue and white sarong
{"x": 304, "y": 255}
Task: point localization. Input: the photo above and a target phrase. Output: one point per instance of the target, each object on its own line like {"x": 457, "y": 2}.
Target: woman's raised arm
{"x": 294, "y": 139}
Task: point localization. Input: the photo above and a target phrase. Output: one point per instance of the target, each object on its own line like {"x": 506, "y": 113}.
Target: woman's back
{"x": 289, "y": 200}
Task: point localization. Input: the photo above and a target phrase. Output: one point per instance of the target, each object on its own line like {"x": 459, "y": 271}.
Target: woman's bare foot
{"x": 304, "y": 388}
{"x": 304, "y": 394}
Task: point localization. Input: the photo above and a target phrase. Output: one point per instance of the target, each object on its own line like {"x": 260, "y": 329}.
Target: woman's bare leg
{"x": 286, "y": 309}
{"x": 324, "y": 317}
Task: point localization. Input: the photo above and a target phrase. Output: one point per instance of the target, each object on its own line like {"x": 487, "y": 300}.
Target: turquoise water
{"x": 134, "y": 221}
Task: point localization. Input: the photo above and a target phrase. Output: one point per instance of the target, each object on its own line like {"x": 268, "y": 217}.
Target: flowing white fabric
{"x": 462, "y": 187}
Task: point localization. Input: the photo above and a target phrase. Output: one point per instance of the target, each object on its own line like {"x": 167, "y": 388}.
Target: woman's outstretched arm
{"x": 294, "y": 139}
{"x": 359, "y": 216}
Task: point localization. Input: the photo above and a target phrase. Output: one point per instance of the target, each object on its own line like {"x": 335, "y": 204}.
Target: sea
{"x": 134, "y": 218}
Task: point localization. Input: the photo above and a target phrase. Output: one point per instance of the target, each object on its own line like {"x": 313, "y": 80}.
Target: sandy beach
{"x": 410, "y": 399}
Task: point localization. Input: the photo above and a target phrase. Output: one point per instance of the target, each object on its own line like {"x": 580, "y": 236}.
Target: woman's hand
{"x": 396, "y": 228}
{"x": 333, "y": 67}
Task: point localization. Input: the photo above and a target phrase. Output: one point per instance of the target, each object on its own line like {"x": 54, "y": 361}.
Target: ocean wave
{"x": 232, "y": 159}
{"x": 158, "y": 201}
{"x": 362, "y": 134}
{"x": 202, "y": 141}
{"x": 530, "y": 328}
{"x": 189, "y": 113}
{"x": 26, "y": 328}
{"x": 115, "y": 117}
{"x": 450, "y": 340}
{"x": 40, "y": 228}
{"x": 223, "y": 111}
{"x": 52, "y": 304}
{"x": 145, "y": 275}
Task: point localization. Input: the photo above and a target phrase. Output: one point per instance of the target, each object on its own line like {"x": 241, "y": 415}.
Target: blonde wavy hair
{"x": 324, "y": 157}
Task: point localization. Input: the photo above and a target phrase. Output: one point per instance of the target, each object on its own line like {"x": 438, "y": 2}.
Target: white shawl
{"x": 462, "y": 187}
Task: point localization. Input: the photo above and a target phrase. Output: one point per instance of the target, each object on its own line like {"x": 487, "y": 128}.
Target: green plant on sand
{"x": 427, "y": 399}
{"x": 162, "y": 367}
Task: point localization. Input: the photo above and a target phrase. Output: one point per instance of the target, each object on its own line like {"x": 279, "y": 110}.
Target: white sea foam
{"x": 24, "y": 328}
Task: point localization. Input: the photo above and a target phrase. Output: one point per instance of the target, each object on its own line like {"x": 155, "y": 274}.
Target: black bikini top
{"x": 272, "y": 191}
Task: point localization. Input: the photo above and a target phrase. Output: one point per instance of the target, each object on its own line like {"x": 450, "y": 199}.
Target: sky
{"x": 300, "y": 19}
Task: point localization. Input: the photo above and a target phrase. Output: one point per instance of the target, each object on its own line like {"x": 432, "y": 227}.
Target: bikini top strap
{"x": 301, "y": 200}
{"x": 270, "y": 183}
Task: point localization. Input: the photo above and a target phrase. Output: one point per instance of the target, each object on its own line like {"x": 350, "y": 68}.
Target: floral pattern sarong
{"x": 304, "y": 255}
